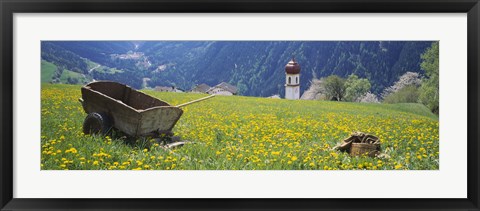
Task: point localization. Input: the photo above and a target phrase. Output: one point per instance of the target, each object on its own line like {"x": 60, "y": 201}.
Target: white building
{"x": 223, "y": 89}
{"x": 292, "y": 80}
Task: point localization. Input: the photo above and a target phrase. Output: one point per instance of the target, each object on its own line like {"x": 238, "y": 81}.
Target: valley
{"x": 255, "y": 67}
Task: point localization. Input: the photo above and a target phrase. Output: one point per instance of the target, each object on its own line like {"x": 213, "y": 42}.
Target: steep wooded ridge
{"x": 255, "y": 67}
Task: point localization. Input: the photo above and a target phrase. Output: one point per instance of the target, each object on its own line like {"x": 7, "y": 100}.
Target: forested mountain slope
{"x": 255, "y": 67}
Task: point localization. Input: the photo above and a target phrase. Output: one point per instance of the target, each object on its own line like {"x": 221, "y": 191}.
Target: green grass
{"x": 90, "y": 64}
{"x": 48, "y": 69}
{"x": 236, "y": 132}
{"x": 414, "y": 108}
{"x": 102, "y": 69}
{"x": 70, "y": 74}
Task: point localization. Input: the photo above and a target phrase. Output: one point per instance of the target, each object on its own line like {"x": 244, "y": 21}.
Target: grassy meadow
{"x": 48, "y": 71}
{"x": 235, "y": 133}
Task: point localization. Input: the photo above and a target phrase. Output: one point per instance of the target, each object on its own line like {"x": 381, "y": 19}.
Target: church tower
{"x": 292, "y": 83}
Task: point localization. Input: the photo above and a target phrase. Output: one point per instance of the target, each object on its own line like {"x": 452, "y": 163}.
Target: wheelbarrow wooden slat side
{"x": 142, "y": 101}
{"x": 124, "y": 117}
{"x": 131, "y": 111}
{"x": 161, "y": 118}
{"x": 127, "y": 95}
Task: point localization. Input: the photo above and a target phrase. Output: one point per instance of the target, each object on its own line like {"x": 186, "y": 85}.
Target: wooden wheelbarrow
{"x": 114, "y": 105}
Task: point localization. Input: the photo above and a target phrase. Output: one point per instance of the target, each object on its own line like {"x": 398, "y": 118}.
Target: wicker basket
{"x": 358, "y": 149}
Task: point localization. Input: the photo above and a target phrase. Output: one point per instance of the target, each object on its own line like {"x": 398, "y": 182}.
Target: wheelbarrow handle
{"x": 194, "y": 101}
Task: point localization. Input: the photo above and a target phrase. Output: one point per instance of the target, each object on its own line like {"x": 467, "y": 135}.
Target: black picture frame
{"x": 9, "y": 7}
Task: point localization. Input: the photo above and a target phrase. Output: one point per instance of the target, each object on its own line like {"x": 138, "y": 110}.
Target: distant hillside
{"x": 255, "y": 67}
{"x": 96, "y": 51}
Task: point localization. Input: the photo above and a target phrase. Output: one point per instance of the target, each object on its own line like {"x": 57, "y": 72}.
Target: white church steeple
{"x": 292, "y": 80}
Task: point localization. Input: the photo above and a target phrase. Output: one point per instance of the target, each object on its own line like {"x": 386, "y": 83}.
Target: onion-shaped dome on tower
{"x": 292, "y": 67}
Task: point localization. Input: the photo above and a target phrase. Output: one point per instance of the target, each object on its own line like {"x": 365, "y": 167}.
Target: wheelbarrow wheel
{"x": 96, "y": 123}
